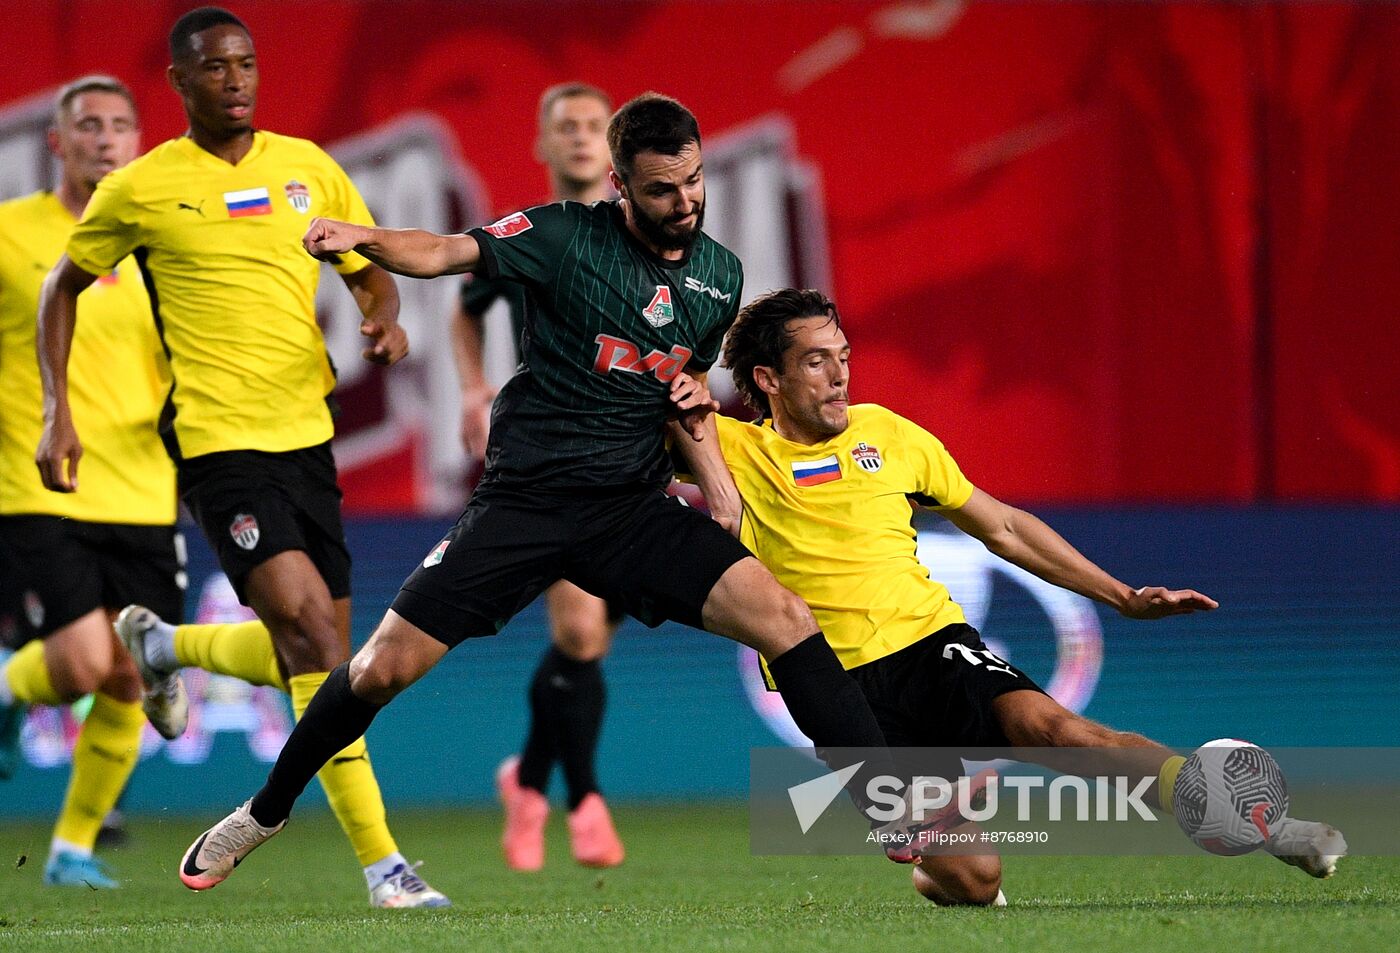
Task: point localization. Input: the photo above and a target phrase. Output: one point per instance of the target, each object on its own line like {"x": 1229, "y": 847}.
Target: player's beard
{"x": 662, "y": 233}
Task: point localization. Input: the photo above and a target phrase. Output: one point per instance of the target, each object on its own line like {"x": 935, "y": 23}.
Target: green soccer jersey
{"x": 610, "y": 325}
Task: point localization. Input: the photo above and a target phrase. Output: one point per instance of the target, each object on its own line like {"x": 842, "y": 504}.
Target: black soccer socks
{"x": 567, "y": 698}
{"x": 829, "y": 707}
{"x": 335, "y": 718}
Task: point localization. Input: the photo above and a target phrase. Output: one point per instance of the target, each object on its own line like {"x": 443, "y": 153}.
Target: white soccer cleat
{"x": 212, "y": 857}
{"x": 404, "y": 890}
{"x": 1311, "y": 846}
{"x": 164, "y": 700}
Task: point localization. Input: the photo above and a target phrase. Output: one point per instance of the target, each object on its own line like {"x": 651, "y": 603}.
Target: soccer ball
{"x": 1230, "y": 797}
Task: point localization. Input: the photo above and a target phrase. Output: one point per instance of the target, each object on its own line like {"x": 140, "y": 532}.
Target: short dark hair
{"x": 568, "y": 91}
{"x": 760, "y": 337}
{"x": 652, "y": 122}
{"x": 197, "y": 21}
{"x": 93, "y": 83}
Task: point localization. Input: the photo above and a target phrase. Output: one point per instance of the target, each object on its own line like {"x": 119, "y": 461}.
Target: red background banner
{"x": 1108, "y": 252}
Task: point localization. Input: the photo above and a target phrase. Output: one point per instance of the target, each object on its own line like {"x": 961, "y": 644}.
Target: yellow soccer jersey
{"x": 118, "y": 381}
{"x": 833, "y": 522}
{"x": 231, "y": 286}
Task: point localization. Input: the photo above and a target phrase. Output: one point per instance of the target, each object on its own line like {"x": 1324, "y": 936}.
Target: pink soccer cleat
{"x": 522, "y": 840}
{"x": 591, "y": 832}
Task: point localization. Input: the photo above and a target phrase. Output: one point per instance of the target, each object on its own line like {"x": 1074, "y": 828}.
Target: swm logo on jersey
{"x": 660, "y": 312}
{"x": 244, "y": 530}
{"x": 617, "y": 354}
{"x": 693, "y": 284}
{"x": 868, "y": 457}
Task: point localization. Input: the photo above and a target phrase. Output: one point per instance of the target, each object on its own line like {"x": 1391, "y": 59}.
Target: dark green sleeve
{"x": 479, "y": 293}
{"x": 527, "y": 247}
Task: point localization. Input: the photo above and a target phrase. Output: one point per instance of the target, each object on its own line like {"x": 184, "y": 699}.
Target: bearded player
{"x": 567, "y": 693}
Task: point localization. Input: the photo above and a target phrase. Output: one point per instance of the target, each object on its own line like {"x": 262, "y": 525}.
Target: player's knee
{"x": 791, "y": 619}
{"x": 959, "y": 881}
{"x": 582, "y": 640}
{"x": 75, "y": 674}
{"x": 378, "y": 677}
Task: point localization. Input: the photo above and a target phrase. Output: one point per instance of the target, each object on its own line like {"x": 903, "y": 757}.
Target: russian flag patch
{"x": 247, "y": 202}
{"x": 816, "y": 472}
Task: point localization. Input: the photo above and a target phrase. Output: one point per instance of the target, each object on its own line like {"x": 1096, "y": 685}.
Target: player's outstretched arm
{"x": 404, "y": 251}
{"x": 1023, "y": 539}
{"x": 377, "y": 297}
{"x": 59, "y": 448}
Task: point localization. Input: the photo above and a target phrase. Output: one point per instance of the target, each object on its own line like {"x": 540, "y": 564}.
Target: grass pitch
{"x": 689, "y": 884}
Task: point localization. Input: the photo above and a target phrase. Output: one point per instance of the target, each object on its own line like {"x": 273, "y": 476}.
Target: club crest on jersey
{"x": 816, "y": 472}
{"x": 244, "y": 530}
{"x": 510, "y": 226}
{"x": 660, "y": 312}
{"x": 868, "y": 457}
{"x": 435, "y": 557}
{"x": 299, "y": 195}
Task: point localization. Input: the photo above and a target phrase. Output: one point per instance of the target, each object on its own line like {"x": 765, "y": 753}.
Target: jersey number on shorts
{"x": 993, "y": 661}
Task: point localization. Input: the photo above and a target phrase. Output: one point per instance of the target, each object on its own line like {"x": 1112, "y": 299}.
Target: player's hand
{"x": 388, "y": 341}
{"x": 58, "y": 455}
{"x": 1155, "y": 602}
{"x": 328, "y": 239}
{"x": 476, "y": 420}
{"x": 691, "y": 403}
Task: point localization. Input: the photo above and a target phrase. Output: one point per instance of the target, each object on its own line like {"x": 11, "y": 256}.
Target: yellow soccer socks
{"x": 103, "y": 757}
{"x": 241, "y": 649}
{"x": 1166, "y": 782}
{"x": 350, "y": 785}
{"x": 27, "y": 676}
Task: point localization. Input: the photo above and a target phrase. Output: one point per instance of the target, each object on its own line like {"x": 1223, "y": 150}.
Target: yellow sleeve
{"x": 348, "y": 206}
{"x": 940, "y": 483}
{"x": 110, "y": 228}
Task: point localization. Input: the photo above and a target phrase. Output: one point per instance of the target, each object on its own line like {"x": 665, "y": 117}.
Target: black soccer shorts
{"x": 253, "y": 505}
{"x": 73, "y": 567}
{"x": 938, "y": 692}
{"x": 643, "y": 551}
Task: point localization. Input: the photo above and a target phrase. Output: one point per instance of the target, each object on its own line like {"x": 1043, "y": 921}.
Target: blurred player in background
{"x": 214, "y": 218}
{"x": 827, "y": 489}
{"x": 113, "y": 541}
{"x": 567, "y": 693}
{"x": 577, "y": 463}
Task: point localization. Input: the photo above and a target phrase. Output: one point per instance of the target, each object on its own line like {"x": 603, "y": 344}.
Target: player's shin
{"x": 829, "y": 707}
{"x": 103, "y": 758}
{"x": 350, "y": 785}
{"x": 334, "y": 718}
{"x": 241, "y": 649}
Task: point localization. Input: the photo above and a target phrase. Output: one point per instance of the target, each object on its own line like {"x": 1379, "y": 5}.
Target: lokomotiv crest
{"x": 661, "y": 311}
